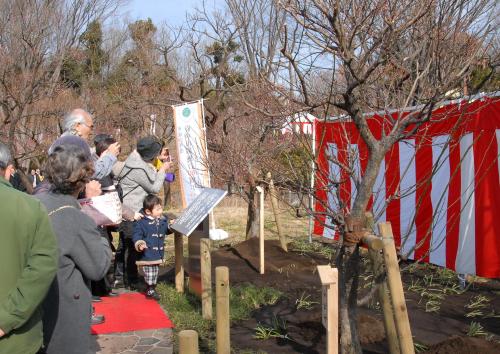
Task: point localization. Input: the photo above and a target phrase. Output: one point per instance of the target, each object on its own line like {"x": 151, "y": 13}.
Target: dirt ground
{"x": 294, "y": 273}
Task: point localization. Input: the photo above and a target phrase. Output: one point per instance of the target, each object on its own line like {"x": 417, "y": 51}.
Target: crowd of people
{"x": 55, "y": 259}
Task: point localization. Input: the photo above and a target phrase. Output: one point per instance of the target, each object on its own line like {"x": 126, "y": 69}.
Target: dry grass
{"x": 231, "y": 216}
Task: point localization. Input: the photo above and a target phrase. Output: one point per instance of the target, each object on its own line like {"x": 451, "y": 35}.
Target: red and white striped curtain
{"x": 440, "y": 189}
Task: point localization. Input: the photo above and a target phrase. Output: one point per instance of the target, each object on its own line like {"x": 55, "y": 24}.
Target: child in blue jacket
{"x": 149, "y": 237}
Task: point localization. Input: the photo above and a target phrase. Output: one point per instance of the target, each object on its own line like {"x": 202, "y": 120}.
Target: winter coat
{"x": 152, "y": 232}
{"x": 103, "y": 165}
{"x": 83, "y": 256}
{"x": 138, "y": 179}
{"x": 28, "y": 264}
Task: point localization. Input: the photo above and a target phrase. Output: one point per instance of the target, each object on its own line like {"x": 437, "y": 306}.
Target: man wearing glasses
{"x": 80, "y": 123}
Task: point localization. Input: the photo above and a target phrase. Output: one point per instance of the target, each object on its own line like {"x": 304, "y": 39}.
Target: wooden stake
{"x": 206, "y": 279}
{"x": 396, "y": 289}
{"x": 179, "y": 263}
{"x": 385, "y": 301}
{"x": 222, "y": 310}
{"x": 274, "y": 204}
{"x": 261, "y": 228}
{"x": 330, "y": 306}
{"x": 188, "y": 342}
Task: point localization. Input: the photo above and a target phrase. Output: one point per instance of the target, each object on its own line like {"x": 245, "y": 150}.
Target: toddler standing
{"x": 148, "y": 237}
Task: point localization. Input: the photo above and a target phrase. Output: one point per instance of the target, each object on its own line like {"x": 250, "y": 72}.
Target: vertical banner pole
{"x": 261, "y": 228}
{"x": 202, "y": 105}
{"x": 313, "y": 169}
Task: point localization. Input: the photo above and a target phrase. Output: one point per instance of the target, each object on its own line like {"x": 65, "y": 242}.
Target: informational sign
{"x": 191, "y": 150}
{"x": 198, "y": 210}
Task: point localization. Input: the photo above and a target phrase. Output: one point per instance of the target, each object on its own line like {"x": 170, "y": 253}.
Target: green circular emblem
{"x": 186, "y": 112}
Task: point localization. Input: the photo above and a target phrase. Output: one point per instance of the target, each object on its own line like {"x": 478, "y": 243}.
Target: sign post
{"x": 179, "y": 262}
{"x": 194, "y": 223}
{"x": 330, "y": 306}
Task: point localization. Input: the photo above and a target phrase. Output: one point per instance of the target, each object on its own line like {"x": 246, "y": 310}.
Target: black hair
{"x": 103, "y": 143}
{"x": 150, "y": 201}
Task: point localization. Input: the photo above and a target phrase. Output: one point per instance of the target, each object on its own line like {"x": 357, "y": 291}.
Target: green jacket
{"x": 28, "y": 264}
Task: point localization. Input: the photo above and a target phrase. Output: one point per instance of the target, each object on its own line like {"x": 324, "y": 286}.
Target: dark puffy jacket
{"x": 152, "y": 232}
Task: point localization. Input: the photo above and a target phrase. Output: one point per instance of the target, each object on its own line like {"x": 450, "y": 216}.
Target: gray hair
{"x": 5, "y": 156}
{"x": 72, "y": 119}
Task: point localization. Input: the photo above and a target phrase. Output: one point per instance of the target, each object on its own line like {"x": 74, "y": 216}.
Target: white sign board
{"x": 191, "y": 150}
{"x": 198, "y": 210}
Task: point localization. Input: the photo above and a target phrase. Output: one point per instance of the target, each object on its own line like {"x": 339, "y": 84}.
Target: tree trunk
{"x": 253, "y": 217}
{"x": 349, "y": 259}
{"x": 348, "y": 266}
{"x": 274, "y": 204}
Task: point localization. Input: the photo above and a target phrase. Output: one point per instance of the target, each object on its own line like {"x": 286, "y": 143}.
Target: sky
{"x": 171, "y": 11}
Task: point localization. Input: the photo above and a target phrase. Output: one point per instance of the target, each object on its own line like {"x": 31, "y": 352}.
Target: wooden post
{"x": 206, "y": 279}
{"x": 222, "y": 310}
{"x": 330, "y": 306}
{"x": 373, "y": 242}
{"x": 261, "y": 228}
{"x": 385, "y": 302}
{"x": 188, "y": 342}
{"x": 274, "y": 204}
{"x": 396, "y": 289}
{"x": 179, "y": 263}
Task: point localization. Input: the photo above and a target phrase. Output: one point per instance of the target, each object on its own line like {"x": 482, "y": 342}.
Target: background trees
{"x": 376, "y": 56}
{"x": 255, "y": 63}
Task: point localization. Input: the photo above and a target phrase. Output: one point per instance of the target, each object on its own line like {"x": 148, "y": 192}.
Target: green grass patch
{"x": 185, "y": 312}
{"x": 246, "y": 298}
{"x": 303, "y": 246}
{"x": 185, "y": 309}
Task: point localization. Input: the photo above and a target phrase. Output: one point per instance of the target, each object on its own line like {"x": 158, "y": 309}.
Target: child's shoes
{"x": 152, "y": 294}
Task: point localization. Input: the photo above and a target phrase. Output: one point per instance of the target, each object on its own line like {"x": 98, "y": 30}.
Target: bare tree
{"x": 376, "y": 56}
{"x": 34, "y": 39}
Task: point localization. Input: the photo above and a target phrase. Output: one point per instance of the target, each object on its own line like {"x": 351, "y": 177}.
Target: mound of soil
{"x": 286, "y": 271}
{"x": 295, "y": 275}
{"x": 464, "y": 345}
{"x": 371, "y": 330}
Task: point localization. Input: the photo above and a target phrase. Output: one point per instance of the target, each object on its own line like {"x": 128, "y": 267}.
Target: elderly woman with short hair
{"x": 83, "y": 254}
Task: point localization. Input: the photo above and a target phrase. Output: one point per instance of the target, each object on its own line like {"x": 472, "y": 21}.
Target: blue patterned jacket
{"x": 152, "y": 232}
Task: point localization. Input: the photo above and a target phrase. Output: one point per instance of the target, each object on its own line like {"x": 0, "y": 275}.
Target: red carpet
{"x": 130, "y": 312}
